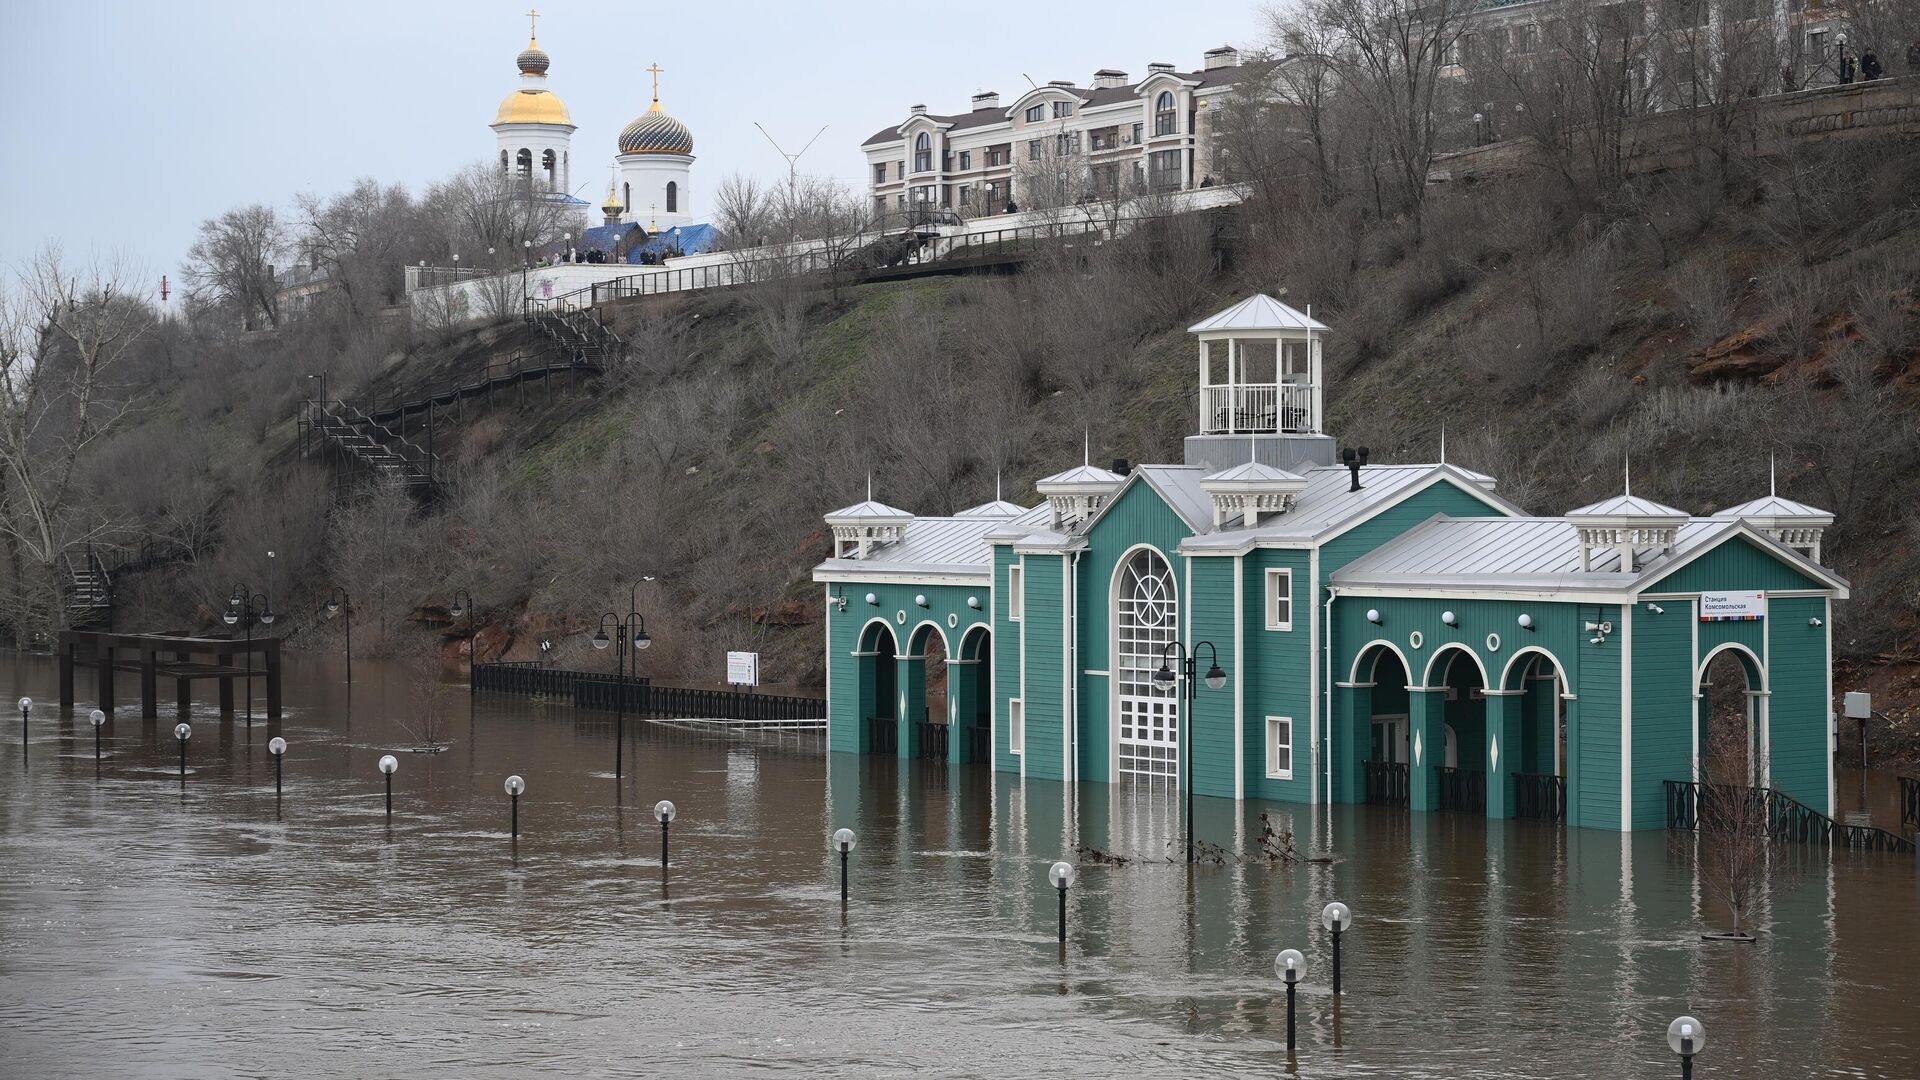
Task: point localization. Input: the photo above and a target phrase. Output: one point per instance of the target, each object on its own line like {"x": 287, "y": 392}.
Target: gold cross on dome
{"x": 533, "y": 22}
{"x": 656, "y": 69}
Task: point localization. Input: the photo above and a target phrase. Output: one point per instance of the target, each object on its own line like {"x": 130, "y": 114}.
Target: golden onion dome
{"x": 656, "y": 133}
{"x": 533, "y": 107}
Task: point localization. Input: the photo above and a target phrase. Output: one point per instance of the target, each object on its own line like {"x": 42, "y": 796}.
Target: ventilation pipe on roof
{"x": 986, "y": 99}
{"x": 1121, "y": 467}
{"x": 1354, "y": 460}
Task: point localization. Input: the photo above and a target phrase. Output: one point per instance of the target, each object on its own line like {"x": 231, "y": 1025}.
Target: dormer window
{"x": 1062, "y": 109}
{"x": 1036, "y": 114}
{"x": 1166, "y": 120}
{"x": 923, "y": 153}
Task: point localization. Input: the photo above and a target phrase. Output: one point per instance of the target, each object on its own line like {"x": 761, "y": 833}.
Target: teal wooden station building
{"x": 1389, "y": 633}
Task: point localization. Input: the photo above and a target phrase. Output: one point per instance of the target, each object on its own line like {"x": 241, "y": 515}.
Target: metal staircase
{"x": 372, "y": 445}
{"x": 575, "y": 336}
{"x": 89, "y": 591}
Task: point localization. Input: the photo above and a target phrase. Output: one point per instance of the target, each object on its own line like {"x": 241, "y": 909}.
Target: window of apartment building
{"x": 1066, "y": 143}
{"x": 1165, "y": 120}
{"x": 966, "y": 160}
{"x": 1163, "y": 170}
{"x": 1138, "y": 130}
{"x": 946, "y": 160}
{"x": 1033, "y": 149}
{"x": 992, "y": 201}
{"x": 1104, "y": 138}
{"x": 1036, "y": 114}
{"x": 1279, "y": 599}
{"x": 1016, "y": 725}
{"x": 1016, "y": 579}
{"x": 966, "y": 194}
{"x": 1526, "y": 38}
{"x": 900, "y": 201}
{"x": 923, "y": 153}
{"x": 1279, "y": 748}
{"x": 899, "y": 170}
{"x": 880, "y": 173}
{"x": 1062, "y": 109}
{"x": 879, "y": 205}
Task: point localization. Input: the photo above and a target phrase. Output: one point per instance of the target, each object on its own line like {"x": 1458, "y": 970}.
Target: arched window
{"x": 505, "y": 163}
{"x": 549, "y": 164}
{"x": 1164, "y": 118}
{"x": 626, "y": 198}
{"x": 524, "y": 161}
{"x": 923, "y": 153}
{"x": 673, "y": 197}
{"x": 1146, "y": 620}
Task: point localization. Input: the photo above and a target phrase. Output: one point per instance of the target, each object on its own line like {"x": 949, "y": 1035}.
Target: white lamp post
{"x": 1061, "y": 874}
{"x": 388, "y": 763}
{"x": 1288, "y": 965}
{"x": 843, "y": 842}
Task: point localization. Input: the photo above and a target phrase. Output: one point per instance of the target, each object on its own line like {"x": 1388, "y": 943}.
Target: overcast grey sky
{"x": 133, "y": 122}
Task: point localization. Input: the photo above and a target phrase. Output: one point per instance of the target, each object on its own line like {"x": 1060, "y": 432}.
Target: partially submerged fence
{"x": 1780, "y": 816}
{"x": 599, "y": 690}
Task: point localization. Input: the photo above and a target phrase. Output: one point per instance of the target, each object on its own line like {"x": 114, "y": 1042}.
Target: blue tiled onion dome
{"x": 656, "y": 133}
{"x": 532, "y": 60}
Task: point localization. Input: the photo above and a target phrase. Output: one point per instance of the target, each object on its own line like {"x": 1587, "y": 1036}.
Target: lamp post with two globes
{"x": 240, "y": 609}
{"x": 628, "y": 633}
{"x": 1166, "y": 680}
{"x": 339, "y": 603}
{"x": 462, "y": 604}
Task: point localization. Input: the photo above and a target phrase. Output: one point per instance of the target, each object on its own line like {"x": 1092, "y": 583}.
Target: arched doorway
{"x": 970, "y": 683}
{"x": 1730, "y": 734}
{"x": 1388, "y": 752}
{"x": 1460, "y": 770}
{"x": 927, "y": 705}
{"x": 879, "y": 689}
{"x": 1535, "y": 739}
{"x": 1146, "y": 619}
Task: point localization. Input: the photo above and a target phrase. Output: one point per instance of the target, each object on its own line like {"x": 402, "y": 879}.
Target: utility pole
{"x": 792, "y": 159}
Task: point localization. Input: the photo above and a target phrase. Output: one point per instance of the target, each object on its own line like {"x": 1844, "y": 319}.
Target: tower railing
{"x": 1258, "y": 408}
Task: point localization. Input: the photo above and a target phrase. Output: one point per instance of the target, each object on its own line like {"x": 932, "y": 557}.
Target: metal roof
{"x": 1772, "y": 507}
{"x": 1252, "y": 472}
{"x": 1081, "y": 474}
{"x": 998, "y": 508}
{"x": 1627, "y": 506}
{"x": 1327, "y": 504}
{"x": 1256, "y": 312}
{"x": 1090, "y": 98}
{"x": 870, "y": 510}
{"x": 935, "y": 545}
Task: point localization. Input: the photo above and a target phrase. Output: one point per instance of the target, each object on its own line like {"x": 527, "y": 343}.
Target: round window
{"x": 1416, "y": 639}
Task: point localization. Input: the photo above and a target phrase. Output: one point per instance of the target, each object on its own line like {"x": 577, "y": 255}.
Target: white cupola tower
{"x": 532, "y": 130}
{"x": 860, "y": 528}
{"x": 1262, "y": 388}
{"x": 656, "y": 163}
{"x": 1797, "y": 525}
{"x": 1635, "y": 529}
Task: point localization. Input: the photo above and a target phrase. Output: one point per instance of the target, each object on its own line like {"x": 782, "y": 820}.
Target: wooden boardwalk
{"x": 166, "y": 656}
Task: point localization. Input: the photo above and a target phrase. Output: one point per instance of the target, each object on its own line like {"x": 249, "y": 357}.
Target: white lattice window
{"x": 1279, "y": 748}
{"x": 1279, "y": 599}
{"x": 1146, "y": 621}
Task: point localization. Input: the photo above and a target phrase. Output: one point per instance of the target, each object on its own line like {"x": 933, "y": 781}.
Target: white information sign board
{"x": 743, "y": 668}
{"x": 1732, "y": 606}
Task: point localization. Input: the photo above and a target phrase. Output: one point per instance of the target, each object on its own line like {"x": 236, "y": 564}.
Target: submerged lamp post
{"x": 1687, "y": 1037}
{"x": 1061, "y": 874}
{"x": 843, "y": 842}
{"x": 183, "y": 731}
{"x": 26, "y": 708}
{"x": 1165, "y": 679}
{"x": 240, "y": 609}
{"x": 388, "y": 763}
{"x": 98, "y": 719}
{"x": 515, "y": 786}
{"x": 631, "y": 635}
{"x": 339, "y": 603}
{"x": 665, "y": 811}
{"x": 1288, "y": 965}
{"x": 277, "y": 746}
{"x": 1336, "y": 917}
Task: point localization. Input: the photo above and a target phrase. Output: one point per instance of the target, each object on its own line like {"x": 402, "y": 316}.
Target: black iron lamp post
{"x": 277, "y": 746}
{"x": 664, "y": 811}
{"x": 843, "y": 842}
{"x": 1687, "y": 1037}
{"x": 182, "y": 732}
{"x": 1336, "y": 917}
{"x": 241, "y": 609}
{"x": 631, "y": 635}
{"x": 1288, "y": 965}
{"x": 1061, "y": 875}
{"x": 515, "y": 786}
{"x": 26, "y": 710}
{"x": 462, "y": 604}
{"x": 339, "y": 603}
{"x": 1165, "y": 679}
{"x": 388, "y": 763}
{"x": 98, "y": 719}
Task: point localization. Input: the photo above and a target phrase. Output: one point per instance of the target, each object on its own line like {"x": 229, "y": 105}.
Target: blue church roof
{"x": 681, "y": 239}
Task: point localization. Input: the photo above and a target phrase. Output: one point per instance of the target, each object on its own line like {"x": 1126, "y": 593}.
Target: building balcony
{"x": 1257, "y": 408}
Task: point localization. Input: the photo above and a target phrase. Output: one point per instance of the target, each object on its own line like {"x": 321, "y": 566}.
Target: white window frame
{"x": 1036, "y": 113}
{"x": 1016, "y": 593}
{"x": 1273, "y": 744}
{"x": 1016, "y": 726}
{"x": 1285, "y": 577}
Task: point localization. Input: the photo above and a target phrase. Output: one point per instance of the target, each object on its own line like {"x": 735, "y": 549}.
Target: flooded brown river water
{"x": 153, "y": 930}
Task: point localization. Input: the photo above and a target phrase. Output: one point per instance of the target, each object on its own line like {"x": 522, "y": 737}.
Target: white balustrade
{"x": 1256, "y": 407}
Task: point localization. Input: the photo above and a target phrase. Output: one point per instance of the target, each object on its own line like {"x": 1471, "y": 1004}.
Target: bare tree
{"x": 63, "y": 341}
{"x": 1731, "y": 828}
{"x": 231, "y": 264}
{"x": 481, "y": 214}
{"x": 742, "y": 211}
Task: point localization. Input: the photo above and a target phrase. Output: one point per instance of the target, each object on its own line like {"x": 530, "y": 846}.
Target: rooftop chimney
{"x": 919, "y": 110}
{"x": 1064, "y": 83}
{"x": 986, "y": 99}
{"x": 1354, "y": 461}
{"x": 1159, "y": 68}
{"x": 1225, "y": 56}
{"x": 1109, "y": 77}
{"x": 1120, "y": 467}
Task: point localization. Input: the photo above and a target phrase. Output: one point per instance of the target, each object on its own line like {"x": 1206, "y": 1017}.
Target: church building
{"x": 1272, "y": 620}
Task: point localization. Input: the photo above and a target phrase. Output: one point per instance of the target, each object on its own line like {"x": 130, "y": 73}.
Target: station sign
{"x": 1733, "y": 606}
{"x": 743, "y": 668}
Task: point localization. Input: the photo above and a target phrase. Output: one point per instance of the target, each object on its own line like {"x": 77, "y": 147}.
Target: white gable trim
{"x": 1739, "y": 527}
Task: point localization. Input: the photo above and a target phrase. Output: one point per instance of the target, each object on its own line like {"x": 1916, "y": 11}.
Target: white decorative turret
{"x": 998, "y": 508}
{"x": 859, "y": 528}
{"x": 1626, "y": 524}
{"x": 1250, "y": 490}
{"x": 1794, "y": 524}
{"x": 532, "y": 129}
{"x": 1078, "y": 494}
